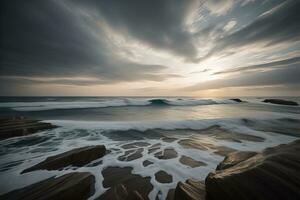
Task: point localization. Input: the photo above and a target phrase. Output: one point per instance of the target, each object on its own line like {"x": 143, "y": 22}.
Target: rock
{"x": 234, "y": 158}
{"x": 135, "y": 145}
{"x": 147, "y": 162}
{"x": 20, "y": 126}
{"x": 281, "y": 102}
{"x": 168, "y": 153}
{"x": 237, "y": 100}
{"x": 190, "y": 190}
{"x": 76, "y": 157}
{"x": 272, "y": 174}
{"x": 75, "y": 186}
{"x": 131, "y": 154}
{"x": 119, "y": 192}
{"x": 163, "y": 177}
{"x": 185, "y": 160}
{"x": 114, "y": 176}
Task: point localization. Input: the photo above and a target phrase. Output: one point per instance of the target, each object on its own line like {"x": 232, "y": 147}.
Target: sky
{"x": 150, "y": 48}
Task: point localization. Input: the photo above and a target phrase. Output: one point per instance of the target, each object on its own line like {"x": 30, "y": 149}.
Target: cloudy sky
{"x": 143, "y": 47}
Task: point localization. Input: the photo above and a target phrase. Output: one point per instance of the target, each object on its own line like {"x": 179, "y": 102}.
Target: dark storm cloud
{"x": 49, "y": 39}
{"x": 278, "y": 25}
{"x": 159, "y": 24}
{"x": 295, "y": 61}
{"x": 287, "y": 74}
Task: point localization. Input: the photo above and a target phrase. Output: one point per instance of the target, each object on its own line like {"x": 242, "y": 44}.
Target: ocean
{"x": 184, "y": 136}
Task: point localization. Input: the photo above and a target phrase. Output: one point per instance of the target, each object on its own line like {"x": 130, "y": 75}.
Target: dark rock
{"x": 171, "y": 194}
{"x": 190, "y": 190}
{"x": 135, "y": 145}
{"x": 131, "y": 154}
{"x": 237, "y": 100}
{"x": 147, "y": 162}
{"x": 76, "y": 157}
{"x": 185, "y": 160}
{"x": 163, "y": 177}
{"x": 75, "y": 186}
{"x": 234, "y": 158}
{"x": 114, "y": 176}
{"x": 166, "y": 154}
{"x": 272, "y": 174}
{"x": 281, "y": 102}
{"x": 195, "y": 143}
{"x": 20, "y": 126}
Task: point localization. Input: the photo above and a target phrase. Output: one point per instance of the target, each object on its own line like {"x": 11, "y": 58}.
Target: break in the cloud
{"x": 159, "y": 44}
{"x": 284, "y": 72}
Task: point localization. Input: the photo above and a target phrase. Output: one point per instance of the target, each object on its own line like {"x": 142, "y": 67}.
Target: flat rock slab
{"x": 20, "y": 126}
{"x": 132, "y": 154}
{"x": 188, "y": 161}
{"x": 135, "y": 145}
{"x": 281, "y": 102}
{"x": 76, "y": 157}
{"x": 166, "y": 154}
{"x": 163, "y": 177}
{"x": 201, "y": 144}
{"x": 190, "y": 190}
{"x": 272, "y": 174}
{"x": 113, "y": 176}
{"x": 147, "y": 162}
{"x": 75, "y": 186}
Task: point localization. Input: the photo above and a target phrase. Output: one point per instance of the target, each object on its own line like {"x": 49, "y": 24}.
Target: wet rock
{"x": 170, "y": 195}
{"x": 281, "y": 102}
{"x": 237, "y": 100}
{"x": 119, "y": 192}
{"x": 147, "y": 162}
{"x": 114, "y": 176}
{"x": 168, "y": 139}
{"x": 154, "y": 148}
{"x": 132, "y": 154}
{"x": 135, "y": 145}
{"x": 76, "y": 157}
{"x": 166, "y": 154}
{"x": 185, "y": 160}
{"x": 76, "y": 186}
{"x": 190, "y": 190}
{"x": 163, "y": 177}
{"x": 204, "y": 145}
{"x": 20, "y": 126}
{"x": 272, "y": 174}
{"x": 234, "y": 158}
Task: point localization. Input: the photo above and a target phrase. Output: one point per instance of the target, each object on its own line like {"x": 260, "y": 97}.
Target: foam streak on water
{"x": 165, "y": 124}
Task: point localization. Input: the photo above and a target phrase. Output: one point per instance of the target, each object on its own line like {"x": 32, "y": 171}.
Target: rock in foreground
{"x": 20, "y": 126}
{"x": 273, "y": 174}
{"x": 75, "y": 186}
{"x": 76, "y": 157}
{"x": 281, "y": 102}
{"x": 190, "y": 190}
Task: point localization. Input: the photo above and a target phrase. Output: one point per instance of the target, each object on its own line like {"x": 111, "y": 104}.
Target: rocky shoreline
{"x": 242, "y": 175}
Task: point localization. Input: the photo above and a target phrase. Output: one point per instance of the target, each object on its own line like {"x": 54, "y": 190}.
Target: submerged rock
{"x": 281, "y": 102}
{"x": 272, "y": 174}
{"x": 163, "y": 177}
{"x": 237, "y": 100}
{"x": 190, "y": 190}
{"x": 119, "y": 192}
{"x": 135, "y": 185}
{"x": 20, "y": 126}
{"x": 75, "y": 186}
{"x": 76, "y": 157}
{"x": 188, "y": 161}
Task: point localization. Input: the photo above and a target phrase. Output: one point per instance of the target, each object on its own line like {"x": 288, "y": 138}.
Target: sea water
{"x": 163, "y": 121}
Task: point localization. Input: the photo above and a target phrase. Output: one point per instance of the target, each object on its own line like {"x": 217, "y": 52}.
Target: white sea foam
{"x": 95, "y": 129}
